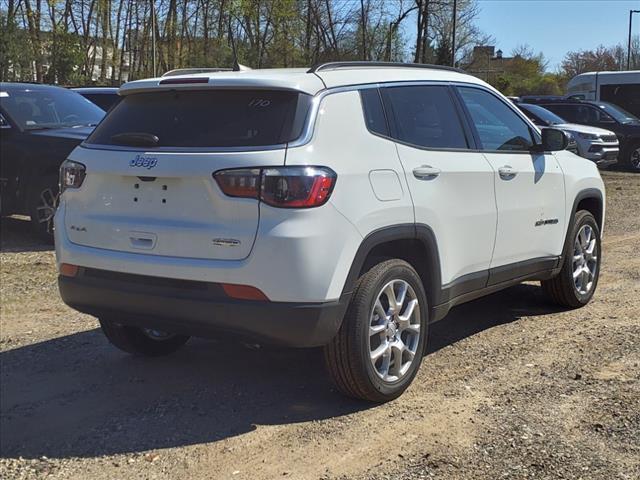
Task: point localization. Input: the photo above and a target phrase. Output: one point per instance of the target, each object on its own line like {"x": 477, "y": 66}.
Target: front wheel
{"x": 576, "y": 283}
{"x": 43, "y": 201}
{"x": 634, "y": 158}
{"x": 141, "y": 341}
{"x": 378, "y": 349}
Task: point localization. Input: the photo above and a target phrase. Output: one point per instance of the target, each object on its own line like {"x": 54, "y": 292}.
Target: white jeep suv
{"x": 346, "y": 206}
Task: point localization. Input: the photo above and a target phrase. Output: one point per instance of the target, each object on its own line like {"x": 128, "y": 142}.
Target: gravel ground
{"x": 512, "y": 387}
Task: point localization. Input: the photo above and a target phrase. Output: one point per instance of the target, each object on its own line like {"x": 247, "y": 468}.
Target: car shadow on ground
{"x": 77, "y": 396}
{"x": 16, "y": 235}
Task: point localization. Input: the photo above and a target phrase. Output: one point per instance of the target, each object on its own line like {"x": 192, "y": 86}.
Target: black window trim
{"x": 308, "y": 130}
{"x": 533, "y": 130}
{"x": 384, "y": 113}
{"x": 391, "y": 127}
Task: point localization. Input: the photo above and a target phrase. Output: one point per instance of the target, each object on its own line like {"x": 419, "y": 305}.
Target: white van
{"x": 621, "y": 88}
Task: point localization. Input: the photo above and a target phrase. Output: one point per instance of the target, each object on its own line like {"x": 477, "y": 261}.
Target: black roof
{"x": 98, "y": 90}
{"x": 25, "y": 86}
{"x": 560, "y": 101}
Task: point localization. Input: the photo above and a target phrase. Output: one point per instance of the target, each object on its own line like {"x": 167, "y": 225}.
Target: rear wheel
{"x": 576, "y": 283}
{"x": 43, "y": 201}
{"x": 378, "y": 349}
{"x": 634, "y": 158}
{"x": 142, "y": 341}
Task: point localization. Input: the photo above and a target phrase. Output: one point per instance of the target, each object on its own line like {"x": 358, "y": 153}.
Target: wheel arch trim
{"x": 408, "y": 231}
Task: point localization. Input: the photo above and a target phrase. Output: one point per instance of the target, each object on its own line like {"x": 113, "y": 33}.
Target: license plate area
{"x": 152, "y": 192}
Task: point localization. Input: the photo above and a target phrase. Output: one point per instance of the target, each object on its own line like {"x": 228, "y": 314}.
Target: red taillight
{"x": 283, "y": 187}
{"x": 243, "y": 182}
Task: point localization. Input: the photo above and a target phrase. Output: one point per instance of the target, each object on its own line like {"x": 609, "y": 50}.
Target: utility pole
{"x": 453, "y": 35}
{"x": 631, "y": 12}
{"x": 153, "y": 37}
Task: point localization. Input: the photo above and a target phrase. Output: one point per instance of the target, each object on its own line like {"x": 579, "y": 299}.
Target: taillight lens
{"x": 72, "y": 174}
{"x": 283, "y": 187}
{"x": 243, "y": 182}
{"x": 297, "y": 187}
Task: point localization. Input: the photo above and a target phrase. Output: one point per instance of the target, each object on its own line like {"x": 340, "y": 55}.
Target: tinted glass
{"x": 211, "y": 118}
{"x": 540, "y": 115}
{"x": 583, "y": 114}
{"x": 626, "y": 96}
{"x": 498, "y": 126}
{"x": 373, "y": 111}
{"x": 619, "y": 113}
{"x": 425, "y": 116}
{"x": 104, "y": 100}
{"x": 50, "y": 107}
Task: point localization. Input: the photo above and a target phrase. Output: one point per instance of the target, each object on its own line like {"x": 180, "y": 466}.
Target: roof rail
{"x": 355, "y": 64}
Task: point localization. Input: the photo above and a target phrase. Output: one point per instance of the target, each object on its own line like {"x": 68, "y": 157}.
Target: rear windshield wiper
{"x": 136, "y": 139}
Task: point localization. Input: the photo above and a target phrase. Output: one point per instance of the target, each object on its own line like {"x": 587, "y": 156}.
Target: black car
{"x": 604, "y": 115}
{"x": 39, "y": 126}
{"x": 104, "y": 97}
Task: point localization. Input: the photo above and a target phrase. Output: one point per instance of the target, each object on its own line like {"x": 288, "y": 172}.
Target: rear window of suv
{"x": 207, "y": 118}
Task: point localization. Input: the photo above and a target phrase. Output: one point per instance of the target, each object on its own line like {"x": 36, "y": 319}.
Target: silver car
{"x": 597, "y": 144}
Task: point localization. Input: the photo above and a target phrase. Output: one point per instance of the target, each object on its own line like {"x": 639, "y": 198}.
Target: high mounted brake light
{"x": 282, "y": 187}
{"x": 181, "y": 81}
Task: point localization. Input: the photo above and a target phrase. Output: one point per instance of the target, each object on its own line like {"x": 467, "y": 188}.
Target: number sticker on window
{"x": 259, "y": 102}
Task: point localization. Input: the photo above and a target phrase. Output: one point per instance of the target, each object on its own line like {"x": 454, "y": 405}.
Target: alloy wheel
{"x": 585, "y": 259}
{"x": 394, "y": 330}
{"x": 46, "y": 209}
{"x": 158, "y": 335}
{"x": 635, "y": 159}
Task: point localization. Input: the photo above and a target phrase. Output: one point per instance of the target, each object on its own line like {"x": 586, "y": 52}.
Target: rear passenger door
{"x": 451, "y": 185}
{"x": 529, "y": 187}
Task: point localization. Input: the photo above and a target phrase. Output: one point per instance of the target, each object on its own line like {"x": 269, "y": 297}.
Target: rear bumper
{"x": 199, "y": 308}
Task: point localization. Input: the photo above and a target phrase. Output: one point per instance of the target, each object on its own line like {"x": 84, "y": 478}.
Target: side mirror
{"x": 554, "y": 140}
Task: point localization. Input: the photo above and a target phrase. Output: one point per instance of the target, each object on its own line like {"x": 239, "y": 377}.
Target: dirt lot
{"x": 512, "y": 387}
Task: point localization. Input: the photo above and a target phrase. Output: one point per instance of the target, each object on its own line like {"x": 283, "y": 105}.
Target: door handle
{"x": 507, "y": 172}
{"x": 426, "y": 172}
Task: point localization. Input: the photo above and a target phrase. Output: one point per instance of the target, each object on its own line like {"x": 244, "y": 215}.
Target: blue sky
{"x": 555, "y": 27}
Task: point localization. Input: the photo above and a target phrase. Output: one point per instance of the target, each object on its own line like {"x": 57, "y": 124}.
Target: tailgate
{"x": 168, "y": 204}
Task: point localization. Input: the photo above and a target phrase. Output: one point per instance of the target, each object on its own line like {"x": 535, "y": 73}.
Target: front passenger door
{"x": 529, "y": 187}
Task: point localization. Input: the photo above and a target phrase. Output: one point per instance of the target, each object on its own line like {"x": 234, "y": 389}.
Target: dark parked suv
{"x": 39, "y": 126}
{"x": 604, "y": 115}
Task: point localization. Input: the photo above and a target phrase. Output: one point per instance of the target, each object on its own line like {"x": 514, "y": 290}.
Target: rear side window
{"x": 583, "y": 114}
{"x": 498, "y": 126}
{"x": 627, "y": 96}
{"x": 424, "y": 116}
{"x": 373, "y": 111}
{"x": 207, "y": 118}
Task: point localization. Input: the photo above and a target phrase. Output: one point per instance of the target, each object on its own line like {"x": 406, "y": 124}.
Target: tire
{"x": 348, "y": 355}
{"x": 141, "y": 341}
{"x": 563, "y": 289}
{"x": 42, "y": 204}
{"x": 633, "y": 158}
